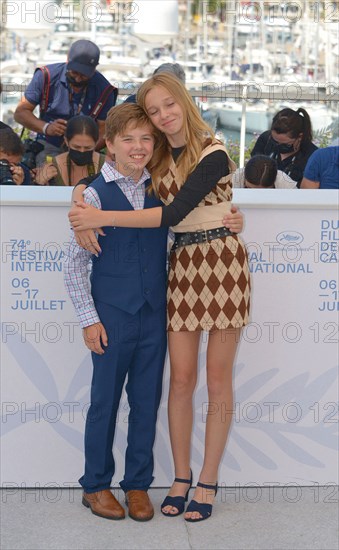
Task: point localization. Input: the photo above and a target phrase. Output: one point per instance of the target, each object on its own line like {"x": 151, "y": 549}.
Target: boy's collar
{"x": 110, "y": 172}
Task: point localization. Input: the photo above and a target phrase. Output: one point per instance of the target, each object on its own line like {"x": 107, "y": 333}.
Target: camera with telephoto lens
{"x": 6, "y": 176}
{"x": 32, "y": 148}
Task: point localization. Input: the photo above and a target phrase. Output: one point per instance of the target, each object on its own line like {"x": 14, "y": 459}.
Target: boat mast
{"x": 187, "y": 29}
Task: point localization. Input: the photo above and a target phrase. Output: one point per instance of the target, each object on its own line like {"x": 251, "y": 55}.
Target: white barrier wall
{"x": 284, "y": 428}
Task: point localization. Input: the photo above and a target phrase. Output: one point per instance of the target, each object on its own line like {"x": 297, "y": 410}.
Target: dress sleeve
{"x": 198, "y": 184}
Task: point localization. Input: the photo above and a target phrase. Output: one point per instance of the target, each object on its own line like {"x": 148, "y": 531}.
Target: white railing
{"x": 246, "y": 92}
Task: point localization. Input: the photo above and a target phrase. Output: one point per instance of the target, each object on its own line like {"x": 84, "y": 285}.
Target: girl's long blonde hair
{"x": 196, "y": 131}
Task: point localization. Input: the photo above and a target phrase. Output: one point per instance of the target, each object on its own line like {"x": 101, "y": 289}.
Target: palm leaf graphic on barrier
{"x": 39, "y": 374}
{"x": 294, "y": 390}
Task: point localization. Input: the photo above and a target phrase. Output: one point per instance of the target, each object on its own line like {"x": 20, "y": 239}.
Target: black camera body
{"x": 32, "y": 148}
{"x": 6, "y": 176}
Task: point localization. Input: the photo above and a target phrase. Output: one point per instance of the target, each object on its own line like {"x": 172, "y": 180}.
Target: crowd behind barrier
{"x": 68, "y": 89}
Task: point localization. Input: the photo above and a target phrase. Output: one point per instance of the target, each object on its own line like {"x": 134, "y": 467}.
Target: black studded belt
{"x": 197, "y": 237}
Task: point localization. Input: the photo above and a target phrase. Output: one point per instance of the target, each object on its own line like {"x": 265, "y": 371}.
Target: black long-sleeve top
{"x": 198, "y": 184}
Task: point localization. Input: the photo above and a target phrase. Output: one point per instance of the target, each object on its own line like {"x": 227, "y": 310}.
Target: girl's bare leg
{"x": 183, "y": 350}
{"x": 222, "y": 346}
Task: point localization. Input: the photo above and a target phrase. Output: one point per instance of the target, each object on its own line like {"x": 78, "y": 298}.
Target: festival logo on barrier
{"x": 290, "y": 237}
{"x": 284, "y": 254}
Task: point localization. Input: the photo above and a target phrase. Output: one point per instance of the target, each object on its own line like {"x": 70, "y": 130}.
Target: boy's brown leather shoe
{"x": 139, "y": 505}
{"x": 103, "y": 504}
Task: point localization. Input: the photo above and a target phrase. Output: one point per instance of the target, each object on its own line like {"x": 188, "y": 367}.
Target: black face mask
{"x": 81, "y": 158}
{"x": 283, "y": 148}
{"x": 75, "y": 83}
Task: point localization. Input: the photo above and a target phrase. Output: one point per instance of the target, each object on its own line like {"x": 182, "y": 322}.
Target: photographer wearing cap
{"x": 64, "y": 90}
{"x": 12, "y": 171}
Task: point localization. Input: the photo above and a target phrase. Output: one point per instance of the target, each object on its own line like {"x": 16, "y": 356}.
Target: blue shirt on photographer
{"x": 62, "y": 102}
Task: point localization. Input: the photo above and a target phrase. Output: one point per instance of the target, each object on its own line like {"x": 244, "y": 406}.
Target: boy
{"x": 123, "y": 316}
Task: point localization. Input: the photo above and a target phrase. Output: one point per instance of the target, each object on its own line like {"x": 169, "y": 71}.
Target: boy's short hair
{"x": 120, "y": 116}
{"x": 261, "y": 170}
{"x": 10, "y": 143}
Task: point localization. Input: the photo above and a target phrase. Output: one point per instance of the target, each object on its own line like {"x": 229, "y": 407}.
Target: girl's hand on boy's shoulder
{"x": 85, "y": 216}
{"x": 95, "y": 338}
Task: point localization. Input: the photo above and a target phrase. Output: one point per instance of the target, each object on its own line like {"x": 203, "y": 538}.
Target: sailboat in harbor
{"x": 229, "y": 113}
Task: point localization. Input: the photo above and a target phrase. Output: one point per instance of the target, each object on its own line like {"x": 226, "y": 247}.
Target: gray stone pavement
{"x": 304, "y": 518}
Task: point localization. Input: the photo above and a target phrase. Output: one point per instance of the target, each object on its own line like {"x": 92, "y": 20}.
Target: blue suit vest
{"x": 131, "y": 269}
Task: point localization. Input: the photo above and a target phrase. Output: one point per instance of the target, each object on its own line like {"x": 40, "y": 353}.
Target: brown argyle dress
{"x": 208, "y": 283}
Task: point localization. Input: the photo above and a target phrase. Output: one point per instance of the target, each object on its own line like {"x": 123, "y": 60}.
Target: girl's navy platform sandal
{"x": 177, "y": 502}
{"x": 204, "y": 509}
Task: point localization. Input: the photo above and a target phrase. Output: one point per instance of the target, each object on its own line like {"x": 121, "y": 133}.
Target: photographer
{"x": 12, "y": 171}
{"x": 64, "y": 90}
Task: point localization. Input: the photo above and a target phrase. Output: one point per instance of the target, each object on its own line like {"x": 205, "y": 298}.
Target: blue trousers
{"x": 136, "y": 349}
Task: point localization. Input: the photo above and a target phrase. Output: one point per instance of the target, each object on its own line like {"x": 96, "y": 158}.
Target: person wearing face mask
{"x": 64, "y": 90}
{"x": 81, "y": 159}
{"x": 289, "y": 142}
